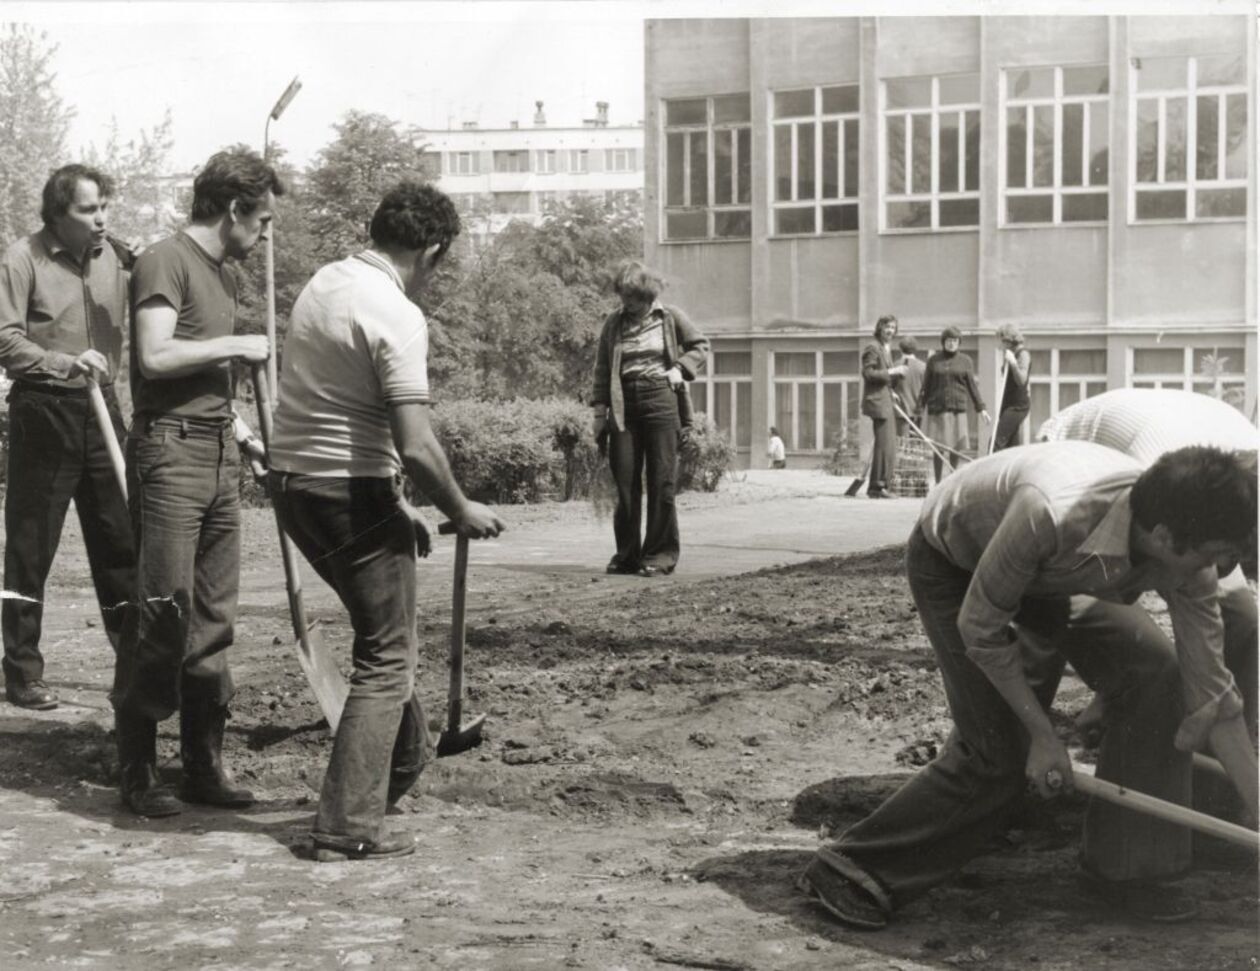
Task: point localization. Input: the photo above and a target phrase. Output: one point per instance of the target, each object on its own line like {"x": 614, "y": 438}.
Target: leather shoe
{"x": 619, "y": 568}
{"x": 841, "y": 897}
{"x": 882, "y": 494}
{"x": 34, "y": 695}
{"x": 144, "y": 794}
{"x": 338, "y": 849}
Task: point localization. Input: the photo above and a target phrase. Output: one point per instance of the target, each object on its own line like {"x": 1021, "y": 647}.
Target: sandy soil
{"x": 662, "y": 757}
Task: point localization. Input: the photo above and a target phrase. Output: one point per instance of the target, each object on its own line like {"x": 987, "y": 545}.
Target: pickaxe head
{"x": 454, "y": 741}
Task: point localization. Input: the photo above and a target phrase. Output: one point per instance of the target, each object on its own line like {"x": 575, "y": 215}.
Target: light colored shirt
{"x": 775, "y": 449}
{"x": 356, "y": 345}
{"x": 1145, "y": 423}
{"x": 1054, "y": 520}
{"x": 643, "y": 344}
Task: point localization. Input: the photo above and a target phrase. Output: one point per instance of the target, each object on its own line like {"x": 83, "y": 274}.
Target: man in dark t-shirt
{"x": 183, "y": 482}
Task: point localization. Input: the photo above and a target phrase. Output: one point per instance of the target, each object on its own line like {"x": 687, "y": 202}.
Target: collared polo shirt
{"x": 53, "y": 308}
{"x": 356, "y": 345}
{"x": 1054, "y": 520}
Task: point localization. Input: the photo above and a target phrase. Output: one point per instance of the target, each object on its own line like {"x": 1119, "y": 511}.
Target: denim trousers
{"x": 355, "y": 536}
{"x": 1008, "y": 425}
{"x": 183, "y": 480}
{"x": 57, "y": 453}
{"x": 649, "y": 440}
{"x": 953, "y": 809}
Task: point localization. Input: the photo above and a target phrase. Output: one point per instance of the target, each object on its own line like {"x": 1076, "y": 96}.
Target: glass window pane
{"x": 732, "y": 362}
{"x": 1039, "y": 362}
{"x": 789, "y": 222}
{"x": 1073, "y": 151}
{"x": 960, "y": 212}
{"x": 793, "y": 104}
{"x": 1147, "y": 140}
{"x": 783, "y": 411}
{"x": 841, "y": 362}
{"x": 1094, "y": 387}
{"x": 833, "y": 413}
{"x": 807, "y": 416}
{"x": 830, "y": 159}
{"x": 1089, "y": 207}
{"x": 1160, "y": 73}
{"x": 745, "y": 165}
{"x": 1039, "y": 404}
{"x": 1085, "y": 80}
{"x": 1158, "y": 360}
{"x": 805, "y": 160}
{"x": 840, "y": 219}
{"x": 909, "y": 215}
{"x": 794, "y": 363}
{"x": 782, "y": 162}
{"x": 896, "y": 142}
{"x": 732, "y": 107}
{"x": 1043, "y": 145}
{"x": 686, "y": 225}
{"x": 839, "y": 100}
{"x": 1162, "y": 205}
{"x": 736, "y": 224}
{"x": 1236, "y": 136}
{"x": 1016, "y": 148}
{"x": 700, "y": 397}
{"x": 908, "y": 92}
{"x": 851, "y": 146}
{"x": 1215, "y": 203}
{"x": 1207, "y": 151}
{"x": 1030, "y": 209}
{"x": 1032, "y": 83}
{"x": 921, "y": 153}
{"x": 947, "y": 152}
{"x": 723, "y": 169}
{"x": 1098, "y": 141}
{"x": 960, "y": 89}
{"x": 1069, "y": 394}
{"x": 1222, "y": 69}
{"x": 699, "y": 169}
{"x": 722, "y": 406}
{"x": 1227, "y": 360}
{"x": 1175, "y": 140}
{"x": 971, "y": 180}
{"x": 690, "y": 111}
{"x": 1083, "y": 362}
{"x": 674, "y": 169}
{"x": 743, "y": 414}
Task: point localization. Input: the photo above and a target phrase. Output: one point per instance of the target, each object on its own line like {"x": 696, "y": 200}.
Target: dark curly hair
{"x": 414, "y": 215}
{"x": 886, "y": 319}
{"x": 59, "y": 189}
{"x": 1201, "y": 495}
{"x": 233, "y": 174}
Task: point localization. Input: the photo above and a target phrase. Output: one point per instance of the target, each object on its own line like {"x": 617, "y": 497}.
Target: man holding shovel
{"x": 183, "y": 481}
{"x": 353, "y": 415}
{"x": 63, "y": 299}
{"x": 1000, "y": 548}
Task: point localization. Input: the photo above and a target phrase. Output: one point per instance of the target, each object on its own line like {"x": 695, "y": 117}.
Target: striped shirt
{"x": 1054, "y": 520}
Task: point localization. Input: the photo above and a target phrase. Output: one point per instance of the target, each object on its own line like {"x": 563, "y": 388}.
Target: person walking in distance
{"x": 1017, "y": 366}
{"x": 63, "y": 300}
{"x": 775, "y": 450}
{"x": 183, "y": 480}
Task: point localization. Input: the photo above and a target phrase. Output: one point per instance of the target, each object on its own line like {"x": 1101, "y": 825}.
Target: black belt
{"x": 190, "y": 427}
{"x": 57, "y": 390}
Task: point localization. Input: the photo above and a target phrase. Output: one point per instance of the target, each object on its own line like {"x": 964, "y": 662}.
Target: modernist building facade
{"x": 496, "y": 175}
{"x": 1091, "y": 179}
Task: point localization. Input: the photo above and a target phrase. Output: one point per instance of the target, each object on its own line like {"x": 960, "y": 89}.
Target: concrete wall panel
{"x": 926, "y": 279}
{"x": 1048, "y": 276}
{"x": 927, "y": 45}
{"x": 710, "y": 282}
{"x": 812, "y": 284}
{"x": 801, "y": 52}
{"x": 1183, "y": 273}
{"x": 1046, "y": 40}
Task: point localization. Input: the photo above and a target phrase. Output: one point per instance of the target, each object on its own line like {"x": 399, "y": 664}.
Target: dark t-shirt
{"x": 203, "y": 294}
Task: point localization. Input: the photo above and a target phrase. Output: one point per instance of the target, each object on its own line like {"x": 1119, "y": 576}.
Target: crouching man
{"x": 999, "y": 550}
{"x": 353, "y": 415}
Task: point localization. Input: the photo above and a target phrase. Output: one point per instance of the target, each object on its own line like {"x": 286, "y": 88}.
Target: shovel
{"x": 317, "y": 662}
{"x": 107, "y": 432}
{"x": 456, "y": 738}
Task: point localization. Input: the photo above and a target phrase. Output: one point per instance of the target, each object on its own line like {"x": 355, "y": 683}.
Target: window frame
{"x": 710, "y": 127}
{"x": 819, "y": 380}
{"x": 740, "y": 385}
{"x": 582, "y": 155}
{"x": 610, "y": 159}
{"x": 1055, "y": 379}
{"x": 472, "y": 158}
{"x": 1188, "y": 379}
{"x": 546, "y": 161}
{"x": 819, "y": 119}
{"x": 1191, "y": 184}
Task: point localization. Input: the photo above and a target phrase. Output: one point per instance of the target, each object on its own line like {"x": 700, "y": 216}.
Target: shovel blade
{"x": 327, "y": 684}
{"x": 454, "y": 741}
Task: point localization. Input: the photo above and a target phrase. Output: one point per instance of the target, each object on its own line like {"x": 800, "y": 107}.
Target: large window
{"x": 619, "y": 159}
{"x": 930, "y": 152}
{"x": 1219, "y": 370}
{"x": 511, "y": 161}
{"x": 579, "y": 160}
{"x": 545, "y": 161}
{"x": 464, "y": 163}
{"x": 724, "y": 393}
{"x": 1054, "y": 151}
{"x": 1190, "y": 137}
{"x": 708, "y": 168}
{"x": 815, "y": 160}
{"x": 816, "y": 397}
{"x": 1060, "y": 378}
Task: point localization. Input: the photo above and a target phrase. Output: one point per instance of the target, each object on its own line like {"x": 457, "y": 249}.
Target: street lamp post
{"x": 272, "y": 380}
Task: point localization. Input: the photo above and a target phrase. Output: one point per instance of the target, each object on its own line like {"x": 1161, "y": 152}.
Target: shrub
{"x": 704, "y": 455}
{"x": 845, "y": 457}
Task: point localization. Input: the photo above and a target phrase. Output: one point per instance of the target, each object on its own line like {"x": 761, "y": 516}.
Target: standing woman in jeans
{"x": 646, "y": 351}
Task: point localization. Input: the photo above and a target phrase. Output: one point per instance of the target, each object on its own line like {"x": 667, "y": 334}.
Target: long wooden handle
{"x": 106, "y": 425}
{"x": 998, "y": 412}
{"x": 1169, "y": 811}
{"x": 459, "y": 591}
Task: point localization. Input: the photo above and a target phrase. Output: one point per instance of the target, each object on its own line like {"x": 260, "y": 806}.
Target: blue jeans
{"x": 953, "y": 808}
{"x": 649, "y": 439}
{"x": 57, "y": 453}
{"x": 183, "y": 482}
{"x": 355, "y": 536}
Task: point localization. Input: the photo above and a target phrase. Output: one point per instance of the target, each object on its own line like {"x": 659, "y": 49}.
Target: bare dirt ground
{"x": 662, "y": 757}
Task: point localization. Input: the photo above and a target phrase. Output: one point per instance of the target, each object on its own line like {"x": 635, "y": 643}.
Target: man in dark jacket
{"x": 878, "y": 374}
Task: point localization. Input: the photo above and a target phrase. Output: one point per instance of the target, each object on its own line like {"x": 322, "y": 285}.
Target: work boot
{"x": 141, "y": 789}
{"x": 34, "y": 695}
{"x": 205, "y": 780}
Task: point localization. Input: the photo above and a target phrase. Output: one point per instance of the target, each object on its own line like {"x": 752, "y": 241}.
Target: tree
{"x": 141, "y": 209}
{"x": 34, "y": 122}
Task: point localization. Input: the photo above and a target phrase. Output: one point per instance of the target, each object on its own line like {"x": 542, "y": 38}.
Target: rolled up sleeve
{"x": 1209, "y": 693}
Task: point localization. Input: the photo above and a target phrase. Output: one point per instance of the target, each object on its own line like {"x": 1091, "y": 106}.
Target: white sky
{"x": 220, "y": 67}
